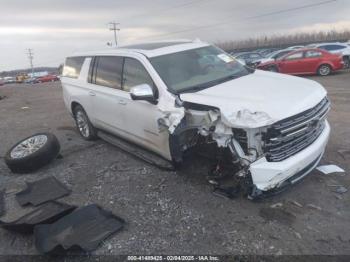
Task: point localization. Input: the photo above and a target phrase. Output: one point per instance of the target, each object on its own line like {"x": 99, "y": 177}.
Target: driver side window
{"x": 135, "y": 74}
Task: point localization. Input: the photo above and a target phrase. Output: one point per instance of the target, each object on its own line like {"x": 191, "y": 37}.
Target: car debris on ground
{"x": 44, "y": 214}
{"x": 85, "y": 228}
{"x": 328, "y": 169}
{"x": 41, "y": 191}
{"x": 340, "y": 189}
{"x": 312, "y": 206}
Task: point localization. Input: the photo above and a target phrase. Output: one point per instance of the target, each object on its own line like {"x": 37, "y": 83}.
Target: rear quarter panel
{"x": 77, "y": 91}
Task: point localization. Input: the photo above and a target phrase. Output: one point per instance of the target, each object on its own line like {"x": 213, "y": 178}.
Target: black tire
{"x": 44, "y": 155}
{"x": 324, "y": 70}
{"x": 273, "y": 69}
{"x": 346, "y": 62}
{"x": 92, "y": 132}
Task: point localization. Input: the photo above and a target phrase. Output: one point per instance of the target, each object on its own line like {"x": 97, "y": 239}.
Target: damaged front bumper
{"x": 271, "y": 177}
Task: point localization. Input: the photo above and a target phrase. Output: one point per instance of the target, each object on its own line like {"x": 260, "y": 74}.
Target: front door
{"x": 140, "y": 117}
{"x": 292, "y": 64}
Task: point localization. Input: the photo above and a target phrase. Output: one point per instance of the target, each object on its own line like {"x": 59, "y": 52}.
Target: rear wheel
{"x": 346, "y": 62}
{"x": 85, "y": 128}
{"x": 324, "y": 70}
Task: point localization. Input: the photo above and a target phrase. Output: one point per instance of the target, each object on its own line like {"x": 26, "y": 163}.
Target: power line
{"x": 31, "y": 57}
{"x": 166, "y": 9}
{"x": 229, "y": 21}
{"x": 114, "y": 29}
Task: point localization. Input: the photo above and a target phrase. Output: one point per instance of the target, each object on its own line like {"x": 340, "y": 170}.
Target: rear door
{"x": 292, "y": 64}
{"x": 105, "y": 91}
{"x": 312, "y": 59}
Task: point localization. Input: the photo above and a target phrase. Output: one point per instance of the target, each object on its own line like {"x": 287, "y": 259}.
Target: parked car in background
{"x": 267, "y": 51}
{"x": 296, "y": 47}
{"x": 337, "y": 48}
{"x": 9, "y": 80}
{"x": 272, "y": 57}
{"x": 305, "y": 62}
{"x": 248, "y": 57}
{"x": 30, "y": 80}
{"x": 47, "y": 78}
{"x": 163, "y": 97}
{"x": 2, "y": 82}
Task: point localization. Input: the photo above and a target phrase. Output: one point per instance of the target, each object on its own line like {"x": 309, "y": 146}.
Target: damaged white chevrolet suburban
{"x": 168, "y": 97}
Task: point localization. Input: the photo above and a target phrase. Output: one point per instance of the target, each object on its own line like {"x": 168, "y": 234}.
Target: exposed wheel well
{"x": 74, "y": 105}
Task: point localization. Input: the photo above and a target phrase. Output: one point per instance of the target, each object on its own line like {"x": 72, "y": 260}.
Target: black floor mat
{"x": 45, "y": 214}
{"x": 85, "y": 228}
{"x": 2, "y": 203}
{"x": 42, "y": 191}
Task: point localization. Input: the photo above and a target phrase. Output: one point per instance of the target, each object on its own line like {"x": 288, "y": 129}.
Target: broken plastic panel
{"x": 328, "y": 169}
{"x": 42, "y": 191}
{"x": 45, "y": 214}
{"x": 85, "y": 228}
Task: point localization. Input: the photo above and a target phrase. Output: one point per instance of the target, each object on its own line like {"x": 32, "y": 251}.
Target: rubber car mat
{"x": 2, "y": 204}
{"x": 85, "y": 228}
{"x": 45, "y": 214}
{"x": 42, "y": 191}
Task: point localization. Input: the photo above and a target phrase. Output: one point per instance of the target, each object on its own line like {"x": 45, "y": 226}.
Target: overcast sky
{"x": 55, "y": 29}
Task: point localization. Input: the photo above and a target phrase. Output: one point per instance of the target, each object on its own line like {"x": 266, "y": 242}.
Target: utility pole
{"x": 31, "y": 57}
{"x": 113, "y": 27}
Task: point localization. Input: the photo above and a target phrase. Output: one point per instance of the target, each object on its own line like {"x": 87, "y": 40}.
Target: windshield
{"x": 197, "y": 69}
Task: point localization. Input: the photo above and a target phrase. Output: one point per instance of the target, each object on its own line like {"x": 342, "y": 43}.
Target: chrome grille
{"x": 289, "y": 136}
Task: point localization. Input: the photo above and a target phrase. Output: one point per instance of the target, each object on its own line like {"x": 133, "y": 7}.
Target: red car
{"x": 305, "y": 62}
{"x": 47, "y": 78}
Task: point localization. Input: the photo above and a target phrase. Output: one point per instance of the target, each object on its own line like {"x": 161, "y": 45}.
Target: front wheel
{"x": 273, "y": 69}
{"x": 85, "y": 128}
{"x": 324, "y": 70}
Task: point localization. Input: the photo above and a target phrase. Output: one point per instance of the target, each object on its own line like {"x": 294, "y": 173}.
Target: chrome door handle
{"x": 92, "y": 93}
{"x": 122, "y": 102}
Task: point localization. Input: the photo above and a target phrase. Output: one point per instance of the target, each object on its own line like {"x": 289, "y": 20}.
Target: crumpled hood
{"x": 259, "y": 99}
{"x": 266, "y": 60}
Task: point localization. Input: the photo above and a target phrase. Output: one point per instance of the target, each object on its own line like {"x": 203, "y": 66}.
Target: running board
{"x": 137, "y": 151}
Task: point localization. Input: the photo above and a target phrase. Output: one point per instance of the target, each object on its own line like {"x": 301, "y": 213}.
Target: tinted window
{"x": 309, "y": 54}
{"x": 280, "y": 54}
{"x": 295, "y": 56}
{"x": 73, "y": 66}
{"x": 135, "y": 74}
{"x": 108, "y": 71}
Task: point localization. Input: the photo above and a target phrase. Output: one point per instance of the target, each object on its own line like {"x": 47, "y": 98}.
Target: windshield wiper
{"x": 200, "y": 87}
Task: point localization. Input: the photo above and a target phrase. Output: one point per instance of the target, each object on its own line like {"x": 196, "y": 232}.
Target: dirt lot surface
{"x": 176, "y": 212}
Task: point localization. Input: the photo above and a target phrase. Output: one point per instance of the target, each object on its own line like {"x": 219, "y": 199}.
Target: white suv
{"x": 169, "y": 96}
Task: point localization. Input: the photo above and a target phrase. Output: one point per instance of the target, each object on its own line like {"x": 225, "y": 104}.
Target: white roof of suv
{"x": 151, "y": 49}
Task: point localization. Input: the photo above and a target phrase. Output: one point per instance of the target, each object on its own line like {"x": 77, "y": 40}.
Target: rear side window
{"x": 135, "y": 74}
{"x": 311, "y": 54}
{"x": 108, "y": 71}
{"x": 73, "y": 66}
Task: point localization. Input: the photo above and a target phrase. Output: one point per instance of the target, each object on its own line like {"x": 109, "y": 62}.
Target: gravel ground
{"x": 175, "y": 212}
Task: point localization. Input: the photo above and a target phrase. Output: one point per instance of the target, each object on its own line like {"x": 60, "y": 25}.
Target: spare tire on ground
{"x": 32, "y": 153}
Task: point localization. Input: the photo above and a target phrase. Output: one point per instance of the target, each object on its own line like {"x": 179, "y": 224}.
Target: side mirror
{"x": 143, "y": 92}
